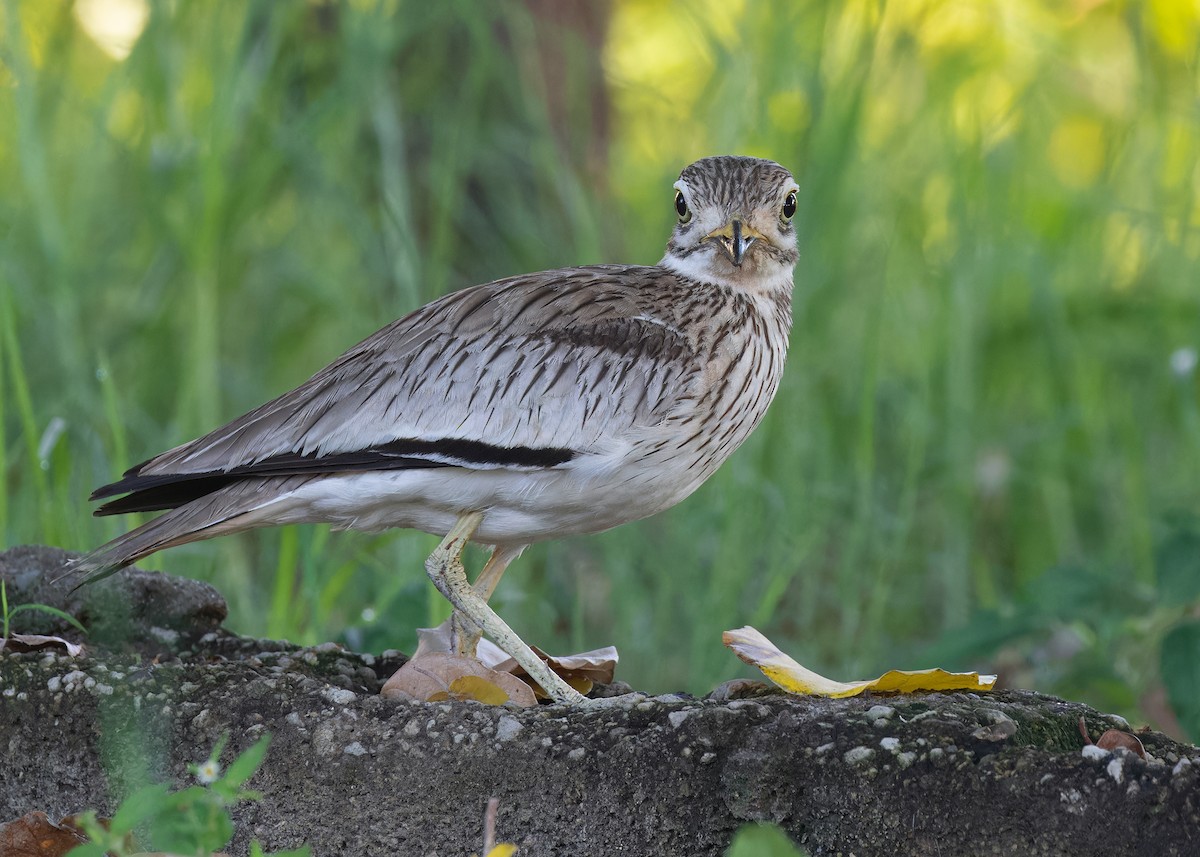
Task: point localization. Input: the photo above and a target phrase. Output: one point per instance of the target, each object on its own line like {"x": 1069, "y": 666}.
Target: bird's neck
{"x": 771, "y": 282}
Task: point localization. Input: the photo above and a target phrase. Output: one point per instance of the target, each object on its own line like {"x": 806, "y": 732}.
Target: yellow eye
{"x": 681, "y": 207}
{"x": 789, "y": 206}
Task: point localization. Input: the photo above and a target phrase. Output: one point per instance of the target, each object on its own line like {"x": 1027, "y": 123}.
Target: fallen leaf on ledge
{"x": 581, "y": 671}
{"x": 1112, "y": 739}
{"x": 36, "y": 642}
{"x": 755, "y": 649}
{"x": 438, "y": 676}
{"x": 35, "y": 835}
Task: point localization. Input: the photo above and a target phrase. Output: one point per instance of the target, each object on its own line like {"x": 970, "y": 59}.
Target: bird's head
{"x": 734, "y": 223}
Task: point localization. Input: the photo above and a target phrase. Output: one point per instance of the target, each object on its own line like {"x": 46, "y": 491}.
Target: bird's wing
{"x": 529, "y": 371}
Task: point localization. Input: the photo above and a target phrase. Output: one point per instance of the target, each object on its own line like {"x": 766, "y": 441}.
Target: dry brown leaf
{"x": 582, "y": 671}
{"x": 437, "y": 676}
{"x": 36, "y": 642}
{"x": 1112, "y": 739}
{"x": 35, "y": 835}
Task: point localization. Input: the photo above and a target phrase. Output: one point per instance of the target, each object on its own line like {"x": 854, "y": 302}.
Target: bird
{"x": 530, "y": 408}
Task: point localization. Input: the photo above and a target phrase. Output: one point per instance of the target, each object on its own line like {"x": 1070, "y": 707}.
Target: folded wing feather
{"x": 526, "y": 372}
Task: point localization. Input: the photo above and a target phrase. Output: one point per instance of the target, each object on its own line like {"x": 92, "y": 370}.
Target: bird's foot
{"x": 624, "y": 700}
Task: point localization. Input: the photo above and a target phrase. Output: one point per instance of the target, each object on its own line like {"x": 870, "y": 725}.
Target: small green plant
{"x": 7, "y": 614}
{"x": 194, "y": 822}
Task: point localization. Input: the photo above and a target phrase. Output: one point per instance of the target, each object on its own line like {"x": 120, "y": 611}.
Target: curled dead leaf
{"x": 1113, "y": 739}
{"x": 35, "y": 835}
{"x": 438, "y": 676}
{"x": 582, "y": 671}
{"x": 755, "y": 649}
{"x": 37, "y": 642}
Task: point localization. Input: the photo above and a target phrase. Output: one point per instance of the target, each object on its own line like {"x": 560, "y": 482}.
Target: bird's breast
{"x": 742, "y": 364}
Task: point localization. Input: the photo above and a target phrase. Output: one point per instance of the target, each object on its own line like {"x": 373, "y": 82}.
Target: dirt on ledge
{"x": 349, "y": 772}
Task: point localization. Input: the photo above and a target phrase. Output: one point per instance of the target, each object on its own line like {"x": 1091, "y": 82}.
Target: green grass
{"x": 999, "y": 247}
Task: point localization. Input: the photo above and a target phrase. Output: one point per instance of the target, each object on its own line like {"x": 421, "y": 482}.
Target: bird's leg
{"x": 493, "y": 570}
{"x": 445, "y": 569}
{"x": 465, "y": 633}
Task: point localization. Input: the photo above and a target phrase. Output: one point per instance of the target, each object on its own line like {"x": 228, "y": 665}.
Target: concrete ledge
{"x": 351, "y": 773}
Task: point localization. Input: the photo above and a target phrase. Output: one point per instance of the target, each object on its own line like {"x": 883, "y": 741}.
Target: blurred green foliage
{"x": 990, "y": 409}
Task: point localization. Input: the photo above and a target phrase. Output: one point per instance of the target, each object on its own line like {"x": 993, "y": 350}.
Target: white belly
{"x": 519, "y": 507}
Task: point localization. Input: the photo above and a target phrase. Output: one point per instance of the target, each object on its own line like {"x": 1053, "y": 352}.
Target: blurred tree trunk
{"x": 570, "y": 36}
{"x": 502, "y": 104}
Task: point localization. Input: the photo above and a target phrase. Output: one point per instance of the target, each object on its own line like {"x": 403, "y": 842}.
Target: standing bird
{"x": 529, "y": 408}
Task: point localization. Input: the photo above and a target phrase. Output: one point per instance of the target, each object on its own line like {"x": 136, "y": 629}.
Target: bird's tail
{"x": 232, "y": 509}
{"x": 164, "y": 531}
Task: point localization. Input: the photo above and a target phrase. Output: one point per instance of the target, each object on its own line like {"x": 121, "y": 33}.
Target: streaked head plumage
{"x": 734, "y": 222}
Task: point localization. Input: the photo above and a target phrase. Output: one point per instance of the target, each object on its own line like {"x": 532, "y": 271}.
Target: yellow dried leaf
{"x": 755, "y": 649}
{"x": 580, "y": 683}
{"x": 504, "y": 849}
{"x": 438, "y": 676}
{"x": 479, "y": 689}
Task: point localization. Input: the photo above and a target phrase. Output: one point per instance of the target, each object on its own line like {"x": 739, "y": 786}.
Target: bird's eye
{"x": 681, "y": 207}
{"x": 789, "y": 206}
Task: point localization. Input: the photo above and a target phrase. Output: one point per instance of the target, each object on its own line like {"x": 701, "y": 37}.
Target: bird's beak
{"x": 735, "y": 238}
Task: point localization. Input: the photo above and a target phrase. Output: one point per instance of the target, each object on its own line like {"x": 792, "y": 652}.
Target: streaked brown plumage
{"x": 549, "y": 404}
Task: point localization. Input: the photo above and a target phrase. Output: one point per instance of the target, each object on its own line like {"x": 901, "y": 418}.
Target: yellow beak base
{"x": 735, "y": 238}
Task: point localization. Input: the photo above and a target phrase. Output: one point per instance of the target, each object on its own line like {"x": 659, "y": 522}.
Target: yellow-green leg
{"x": 465, "y": 633}
{"x": 445, "y": 569}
